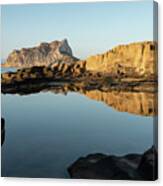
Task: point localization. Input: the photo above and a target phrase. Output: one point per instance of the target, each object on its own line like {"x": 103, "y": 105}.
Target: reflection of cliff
{"x": 141, "y": 102}
{"x": 133, "y": 102}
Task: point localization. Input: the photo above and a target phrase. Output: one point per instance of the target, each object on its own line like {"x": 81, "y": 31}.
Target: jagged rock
{"x": 128, "y": 167}
{"x": 44, "y": 54}
{"x": 132, "y": 60}
{"x": 135, "y": 59}
{"x": 54, "y": 71}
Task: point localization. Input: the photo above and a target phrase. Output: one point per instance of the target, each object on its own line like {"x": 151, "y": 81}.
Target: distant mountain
{"x": 44, "y": 54}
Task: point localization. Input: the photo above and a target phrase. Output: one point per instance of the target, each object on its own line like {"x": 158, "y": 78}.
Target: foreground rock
{"x": 56, "y": 71}
{"x": 128, "y": 167}
{"x": 44, "y": 54}
{"x": 2, "y": 130}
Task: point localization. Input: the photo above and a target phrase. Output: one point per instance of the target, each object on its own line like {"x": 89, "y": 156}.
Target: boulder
{"x": 128, "y": 167}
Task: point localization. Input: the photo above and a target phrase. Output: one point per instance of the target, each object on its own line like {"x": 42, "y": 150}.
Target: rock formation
{"x": 60, "y": 71}
{"x": 135, "y": 59}
{"x": 132, "y": 60}
{"x": 128, "y": 67}
{"x": 44, "y": 54}
{"x": 128, "y": 167}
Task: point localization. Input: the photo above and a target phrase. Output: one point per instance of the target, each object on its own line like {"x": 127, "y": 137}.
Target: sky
{"x": 90, "y": 28}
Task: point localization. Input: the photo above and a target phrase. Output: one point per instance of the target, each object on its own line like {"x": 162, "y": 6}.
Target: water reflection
{"x": 136, "y": 102}
{"x": 140, "y": 103}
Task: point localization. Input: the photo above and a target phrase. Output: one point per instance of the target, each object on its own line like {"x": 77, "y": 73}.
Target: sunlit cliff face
{"x": 135, "y": 58}
{"x": 139, "y": 103}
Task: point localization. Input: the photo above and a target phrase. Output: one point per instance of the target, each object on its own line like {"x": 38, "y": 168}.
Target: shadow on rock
{"x": 2, "y": 130}
{"x": 128, "y": 167}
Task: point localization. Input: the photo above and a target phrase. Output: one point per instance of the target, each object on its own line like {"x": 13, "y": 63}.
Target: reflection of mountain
{"x": 133, "y": 102}
{"x": 136, "y": 102}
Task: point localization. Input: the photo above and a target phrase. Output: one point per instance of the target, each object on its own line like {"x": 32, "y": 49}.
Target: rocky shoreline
{"x": 75, "y": 73}
{"x": 128, "y": 167}
{"x": 131, "y": 67}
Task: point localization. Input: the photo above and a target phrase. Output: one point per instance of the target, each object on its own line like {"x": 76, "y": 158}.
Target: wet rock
{"x": 60, "y": 71}
{"x": 129, "y": 167}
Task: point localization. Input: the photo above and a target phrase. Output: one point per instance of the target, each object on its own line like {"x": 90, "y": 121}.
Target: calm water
{"x": 46, "y": 132}
{"x": 8, "y": 69}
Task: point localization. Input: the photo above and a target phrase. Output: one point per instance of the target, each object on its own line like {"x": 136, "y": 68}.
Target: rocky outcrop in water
{"x": 59, "y": 71}
{"x": 135, "y": 59}
{"x": 44, "y": 54}
{"x": 128, "y": 167}
{"x": 128, "y": 67}
{"x": 132, "y": 60}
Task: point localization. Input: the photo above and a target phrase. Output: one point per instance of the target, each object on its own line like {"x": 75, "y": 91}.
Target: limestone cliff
{"x": 44, "y": 54}
{"x": 137, "y": 59}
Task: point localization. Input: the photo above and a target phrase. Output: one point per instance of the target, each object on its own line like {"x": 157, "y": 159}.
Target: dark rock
{"x": 128, "y": 167}
{"x": 148, "y": 166}
{"x": 2, "y": 130}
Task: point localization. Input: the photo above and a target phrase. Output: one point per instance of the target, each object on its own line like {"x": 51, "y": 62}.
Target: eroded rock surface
{"x": 44, "y": 54}
{"x": 128, "y": 167}
{"x": 55, "y": 71}
{"x": 135, "y": 59}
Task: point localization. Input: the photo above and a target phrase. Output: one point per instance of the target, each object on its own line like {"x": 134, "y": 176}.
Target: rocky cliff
{"x": 44, "y": 54}
{"x": 132, "y": 60}
{"x": 135, "y": 59}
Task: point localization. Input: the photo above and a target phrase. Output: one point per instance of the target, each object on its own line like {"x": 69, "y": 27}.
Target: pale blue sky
{"x": 90, "y": 28}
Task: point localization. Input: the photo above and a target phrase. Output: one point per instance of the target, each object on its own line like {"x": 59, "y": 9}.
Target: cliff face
{"x": 132, "y": 59}
{"x": 44, "y": 54}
